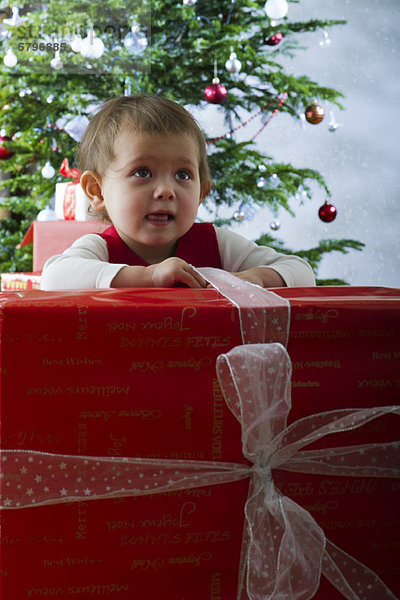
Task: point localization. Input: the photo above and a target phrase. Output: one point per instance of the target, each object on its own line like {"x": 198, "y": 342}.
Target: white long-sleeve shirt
{"x": 84, "y": 265}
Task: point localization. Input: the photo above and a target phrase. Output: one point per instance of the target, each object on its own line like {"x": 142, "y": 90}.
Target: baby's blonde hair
{"x": 144, "y": 113}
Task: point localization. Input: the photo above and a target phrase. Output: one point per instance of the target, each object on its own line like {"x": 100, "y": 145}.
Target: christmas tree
{"x": 61, "y": 59}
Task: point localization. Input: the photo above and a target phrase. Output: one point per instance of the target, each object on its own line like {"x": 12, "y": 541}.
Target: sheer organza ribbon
{"x": 284, "y": 551}
{"x": 68, "y": 171}
{"x": 263, "y": 315}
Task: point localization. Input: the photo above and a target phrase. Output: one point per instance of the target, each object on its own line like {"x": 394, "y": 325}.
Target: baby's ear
{"x": 91, "y": 185}
{"x": 205, "y": 189}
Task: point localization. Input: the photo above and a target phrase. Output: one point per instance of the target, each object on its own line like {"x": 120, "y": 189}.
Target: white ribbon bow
{"x": 284, "y": 550}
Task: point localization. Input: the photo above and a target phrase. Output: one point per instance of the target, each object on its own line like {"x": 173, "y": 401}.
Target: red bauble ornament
{"x": 216, "y": 92}
{"x": 314, "y": 113}
{"x": 5, "y": 152}
{"x": 327, "y": 212}
{"x": 274, "y": 40}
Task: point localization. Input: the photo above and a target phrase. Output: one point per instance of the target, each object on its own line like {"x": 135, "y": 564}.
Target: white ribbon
{"x": 263, "y": 315}
{"x": 284, "y": 551}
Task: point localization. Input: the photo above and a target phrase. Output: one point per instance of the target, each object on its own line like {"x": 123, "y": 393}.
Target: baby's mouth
{"x": 159, "y": 218}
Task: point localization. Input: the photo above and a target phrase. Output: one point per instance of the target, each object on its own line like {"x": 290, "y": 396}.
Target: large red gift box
{"x": 119, "y": 374}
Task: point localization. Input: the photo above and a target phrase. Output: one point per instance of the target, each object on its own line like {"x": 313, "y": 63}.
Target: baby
{"x": 144, "y": 170}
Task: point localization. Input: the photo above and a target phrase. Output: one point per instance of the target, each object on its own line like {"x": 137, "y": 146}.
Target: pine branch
{"x": 333, "y": 281}
{"x": 316, "y": 254}
{"x": 289, "y": 27}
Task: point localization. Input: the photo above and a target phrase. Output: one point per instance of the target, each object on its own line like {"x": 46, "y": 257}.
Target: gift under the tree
{"x": 126, "y": 376}
{"x": 16, "y": 282}
{"x": 53, "y": 237}
{"x": 71, "y": 203}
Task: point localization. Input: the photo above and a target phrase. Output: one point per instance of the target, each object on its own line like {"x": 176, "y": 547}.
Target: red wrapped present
{"x": 71, "y": 203}
{"x": 20, "y": 281}
{"x": 123, "y": 470}
{"x": 53, "y": 237}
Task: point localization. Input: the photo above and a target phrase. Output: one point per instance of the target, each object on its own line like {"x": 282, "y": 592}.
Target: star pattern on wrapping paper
{"x": 145, "y": 475}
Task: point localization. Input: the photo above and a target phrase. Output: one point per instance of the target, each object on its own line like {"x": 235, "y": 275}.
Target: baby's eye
{"x": 142, "y": 172}
{"x": 183, "y": 175}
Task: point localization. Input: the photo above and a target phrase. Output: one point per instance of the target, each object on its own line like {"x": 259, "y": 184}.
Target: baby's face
{"x": 152, "y": 191}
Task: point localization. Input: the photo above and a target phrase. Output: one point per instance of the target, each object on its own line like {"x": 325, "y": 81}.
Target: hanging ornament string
{"x": 244, "y": 123}
{"x": 216, "y": 92}
{"x": 281, "y": 101}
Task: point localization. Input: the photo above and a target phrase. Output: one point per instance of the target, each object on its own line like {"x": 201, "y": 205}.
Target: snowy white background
{"x": 360, "y": 160}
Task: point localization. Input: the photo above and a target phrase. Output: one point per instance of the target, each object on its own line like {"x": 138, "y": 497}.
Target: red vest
{"x": 198, "y": 247}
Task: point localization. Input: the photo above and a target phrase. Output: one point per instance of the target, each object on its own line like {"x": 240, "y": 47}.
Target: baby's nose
{"x": 164, "y": 191}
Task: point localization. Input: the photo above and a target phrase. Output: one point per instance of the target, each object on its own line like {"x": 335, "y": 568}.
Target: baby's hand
{"x": 173, "y": 271}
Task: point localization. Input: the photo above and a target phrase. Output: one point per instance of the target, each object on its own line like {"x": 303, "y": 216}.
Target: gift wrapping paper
{"x": 344, "y": 346}
{"x": 130, "y": 376}
{"x": 121, "y": 374}
{"x": 14, "y": 282}
{"x": 71, "y": 203}
{"x": 53, "y": 237}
